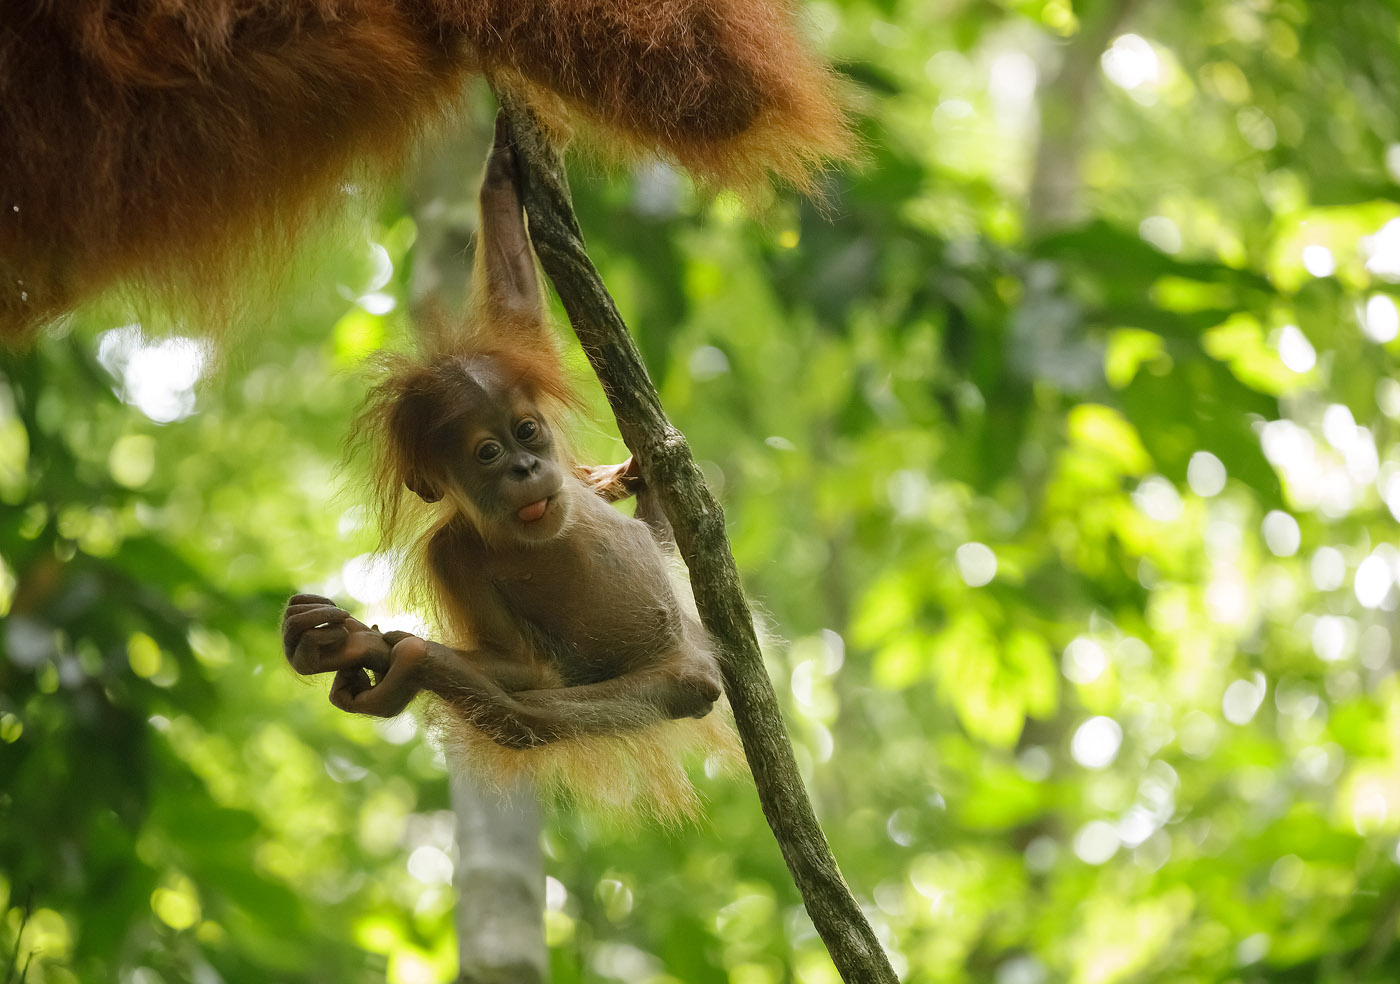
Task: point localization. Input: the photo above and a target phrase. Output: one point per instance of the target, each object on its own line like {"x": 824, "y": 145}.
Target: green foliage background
{"x": 1071, "y": 516}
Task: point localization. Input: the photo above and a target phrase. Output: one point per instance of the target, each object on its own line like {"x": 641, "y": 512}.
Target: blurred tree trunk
{"x": 500, "y": 885}
{"x": 500, "y": 867}
{"x": 1063, "y": 102}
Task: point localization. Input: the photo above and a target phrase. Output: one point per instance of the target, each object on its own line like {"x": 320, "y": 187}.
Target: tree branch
{"x": 671, "y": 472}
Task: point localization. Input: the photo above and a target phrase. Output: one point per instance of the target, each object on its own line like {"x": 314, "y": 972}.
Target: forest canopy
{"x": 1059, "y": 446}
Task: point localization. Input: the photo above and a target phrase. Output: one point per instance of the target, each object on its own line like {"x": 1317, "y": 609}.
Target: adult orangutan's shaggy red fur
{"x": 166, "y": 143}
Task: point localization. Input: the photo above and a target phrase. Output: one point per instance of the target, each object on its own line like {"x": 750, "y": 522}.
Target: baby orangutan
{"x": 564, "y": 623}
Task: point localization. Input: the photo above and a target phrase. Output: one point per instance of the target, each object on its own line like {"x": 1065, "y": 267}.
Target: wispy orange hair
{"x": 418, "y": 404}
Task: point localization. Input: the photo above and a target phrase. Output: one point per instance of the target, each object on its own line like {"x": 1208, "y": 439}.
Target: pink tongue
{"x": 533, "y": 511}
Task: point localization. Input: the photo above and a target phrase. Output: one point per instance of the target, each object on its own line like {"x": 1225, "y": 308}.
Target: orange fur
{"x": 172, "y": 144}
{"x": 163, "y": 140}
{"x": 638, "y": 774}
{"x": 722, "y": 87}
